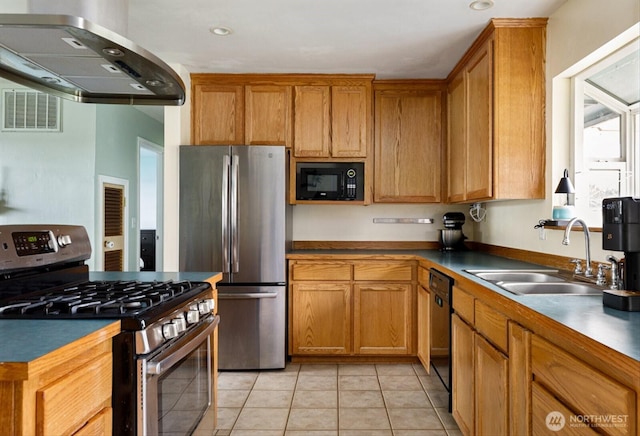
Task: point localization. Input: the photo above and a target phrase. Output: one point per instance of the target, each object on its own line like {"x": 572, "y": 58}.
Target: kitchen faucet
{"x": 588, "y": 272}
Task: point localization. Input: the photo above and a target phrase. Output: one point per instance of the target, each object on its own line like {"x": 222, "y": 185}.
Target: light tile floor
{"x": 332, "y": 400}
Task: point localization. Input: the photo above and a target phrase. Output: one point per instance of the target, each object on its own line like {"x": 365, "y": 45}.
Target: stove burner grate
{"x": 98, "y": 297}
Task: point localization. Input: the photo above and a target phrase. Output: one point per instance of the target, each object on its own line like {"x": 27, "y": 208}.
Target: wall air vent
{"x": 27, "y": 110}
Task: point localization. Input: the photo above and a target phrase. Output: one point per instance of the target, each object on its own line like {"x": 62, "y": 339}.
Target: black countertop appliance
{"x": 451, "y": 237}
{"x": 621, "y": 232}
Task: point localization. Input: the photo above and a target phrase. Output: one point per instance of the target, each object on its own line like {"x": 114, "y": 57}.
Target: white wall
{"x": 576, "y": 30}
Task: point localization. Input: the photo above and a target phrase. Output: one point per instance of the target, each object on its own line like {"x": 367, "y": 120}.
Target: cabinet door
{"x": 382, "y": 318}
{"x": 463, "y": 374}
{"x": 321, "y": 318}
{"x": 491, "y": 389}
{"x": 350, "y": 114}
{"x": 479, "y": 119}
{"x": 424, "y": 327}
{"x": 311, "y": 121}
{"x": 218, "y": 114}
{"x": 268, "y": 115}
{"x": 408, "y": 143}
{"x": 456, "y": 150}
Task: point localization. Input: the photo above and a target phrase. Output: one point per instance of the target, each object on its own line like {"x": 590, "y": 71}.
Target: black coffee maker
{"x": 621, "y": 232}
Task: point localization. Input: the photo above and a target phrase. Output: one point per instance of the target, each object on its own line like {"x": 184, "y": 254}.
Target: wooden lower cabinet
{"x": 463, "y": 374}
{"x": 352, "y": 308}
{"x": 383, "y": 318}
{"x": 321, "y": 322}
{"x": 491, "y": 390}
{"x": 562, "y": 382}
{"x": 65, "y": 392}
{"x": 480, "y": 369}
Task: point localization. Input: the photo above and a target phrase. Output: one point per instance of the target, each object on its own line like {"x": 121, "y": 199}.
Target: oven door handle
{"x": 193, "y": 341}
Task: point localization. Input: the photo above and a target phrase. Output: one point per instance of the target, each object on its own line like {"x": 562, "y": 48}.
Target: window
{"x": 607, "y": 132}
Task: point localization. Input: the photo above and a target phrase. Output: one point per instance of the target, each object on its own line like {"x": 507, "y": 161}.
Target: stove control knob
{"x": 205, "y": 306}
{"x": 180, "y": 323}
{"x": 169, "y": 330}
{"x": 64, "y": 240}
{"x": 193, "y": 315}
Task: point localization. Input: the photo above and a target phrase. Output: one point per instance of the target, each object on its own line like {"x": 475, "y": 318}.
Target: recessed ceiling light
{"x": 481, "y": 5}
{"x": 220, "y": 31}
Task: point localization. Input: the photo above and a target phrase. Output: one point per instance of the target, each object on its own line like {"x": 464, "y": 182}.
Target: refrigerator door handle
{"x": 235, "y": 198}
{"x": 226, "y": 164}
{"x": 247, "y": 295}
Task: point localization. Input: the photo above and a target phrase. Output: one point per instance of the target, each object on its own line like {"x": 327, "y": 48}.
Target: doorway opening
{"x": 150, "y": 204}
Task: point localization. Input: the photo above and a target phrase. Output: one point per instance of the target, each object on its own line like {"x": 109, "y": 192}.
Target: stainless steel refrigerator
{"x": 234, "y": 219}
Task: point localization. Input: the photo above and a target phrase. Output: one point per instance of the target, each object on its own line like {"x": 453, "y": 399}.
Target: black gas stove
{"x": 166, "y": 324}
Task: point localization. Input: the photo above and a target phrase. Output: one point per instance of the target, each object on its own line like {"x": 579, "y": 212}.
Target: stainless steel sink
{"x": 558, "y": 288}
{"x": 535, "y": 282}
{"x": 519, "y": 276}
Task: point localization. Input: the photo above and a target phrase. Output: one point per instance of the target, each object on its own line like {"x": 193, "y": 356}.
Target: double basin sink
{"x": 536, "y": 282}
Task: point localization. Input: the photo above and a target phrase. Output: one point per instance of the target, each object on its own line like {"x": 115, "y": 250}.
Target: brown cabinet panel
{"x": 312, "y": 121}
{"x": 542, "y": 404}
{"x": 479, "y": 153}
{"x": 382, "y": 318}
{"x": 424, "y": 327}
{"x": 67, "y": 404}
{"x": 382, "y": 271}
{"x": 218, "y": 114}
{"x": 457, "y": 150}
{"x": 580, "y": 387}
{"x": 268, "y": 115}
{"x": 321, "y": 271}
{"x": 321, "y": 321}
{"x": 350, "y": 115}
{"x": 408, "y": 144}
{"x": 463, "y": 304}
{"x": 463, "y": 374}
{"x": 492, "y": 325}
{"x": 491, "y": 390}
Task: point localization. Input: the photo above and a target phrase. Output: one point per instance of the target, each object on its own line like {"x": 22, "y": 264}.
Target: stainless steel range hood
{"x": 73, "y": 58}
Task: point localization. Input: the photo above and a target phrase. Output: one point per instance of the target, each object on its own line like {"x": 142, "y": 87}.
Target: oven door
{"x": 175, "y": 388}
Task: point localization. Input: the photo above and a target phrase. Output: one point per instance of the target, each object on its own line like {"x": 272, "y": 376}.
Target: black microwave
{"x": 330, "y": 181}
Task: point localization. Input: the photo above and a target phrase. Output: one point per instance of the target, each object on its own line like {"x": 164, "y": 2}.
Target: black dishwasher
{"x": 440, "y": 286}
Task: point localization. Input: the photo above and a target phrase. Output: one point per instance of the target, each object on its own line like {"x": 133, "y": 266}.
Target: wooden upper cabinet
{"x": 218, "y": 114}
{"x": 479, "y": 150}
{"x": 408, "y": 142}
{"x": 457, "y": 150}
{"x": 331, "y": 121}
{"x": 312, "y": 122}
{"x": 268, "y": 115}
{"x": 350, "y": 114}
{"x": 496, "y": 94}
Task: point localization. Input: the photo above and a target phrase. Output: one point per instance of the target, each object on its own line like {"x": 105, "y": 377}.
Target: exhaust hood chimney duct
{"x": 76, "y": 49}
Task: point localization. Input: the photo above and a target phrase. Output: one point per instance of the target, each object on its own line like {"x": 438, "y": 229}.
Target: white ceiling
{"x": 390, "y": 38}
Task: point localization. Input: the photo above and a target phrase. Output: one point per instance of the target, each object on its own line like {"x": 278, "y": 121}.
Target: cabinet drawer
{"x": 69, "y": 402}
{"x": 581, "y": 387}
{"x": 98, "y": 425}
{"x": 542, "y": 403}
{"x": 321, "y": 271}
{"x": 463, "y": 304}
{"x": 375, "y": 271}
{"x": 492, "y": 325}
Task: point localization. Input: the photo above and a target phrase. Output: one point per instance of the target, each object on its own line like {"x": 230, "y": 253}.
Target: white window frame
{"x": 629, "y": 161}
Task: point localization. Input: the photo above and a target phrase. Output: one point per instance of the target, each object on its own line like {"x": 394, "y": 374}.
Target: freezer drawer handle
{"x": 248, "y": 295}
